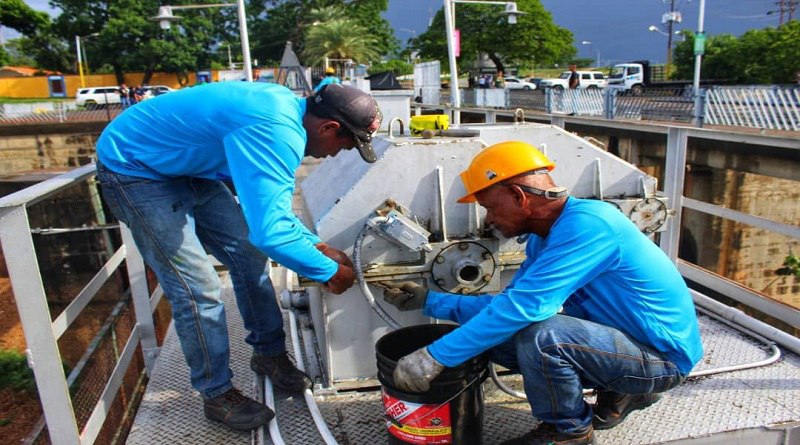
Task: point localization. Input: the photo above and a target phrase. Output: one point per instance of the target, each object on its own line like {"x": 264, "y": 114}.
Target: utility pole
{"x": 785, "y": 9}
{"x": 671, "y": 18}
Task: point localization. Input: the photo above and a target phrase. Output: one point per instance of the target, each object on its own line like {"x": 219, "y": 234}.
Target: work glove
{"x": 406, "y": 296}
{"x": 415, "y": 371}
{"x": 334, "y": 254}
{"x": 342, "y": 280}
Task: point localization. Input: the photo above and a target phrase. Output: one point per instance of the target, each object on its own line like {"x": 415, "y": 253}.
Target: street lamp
{"x": 588, "y": 42}
{"x": 80, "y": 58}
{"x": 668, "y": 35}
{"x": 165, "y": 19}
{"x": 449, "y": 21}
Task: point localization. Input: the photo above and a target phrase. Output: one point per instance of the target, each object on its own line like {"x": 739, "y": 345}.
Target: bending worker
{"x": 161, "y": 166}
{"x": 628, "y": 326}
{"x": 330, "y": 77}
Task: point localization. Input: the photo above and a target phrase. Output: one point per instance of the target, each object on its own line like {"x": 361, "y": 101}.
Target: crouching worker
{"x": 628, "y": 326}
{"x": 162, "y": 167}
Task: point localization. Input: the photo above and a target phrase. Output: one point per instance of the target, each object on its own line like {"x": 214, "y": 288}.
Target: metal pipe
{"x": 743, "y": 320}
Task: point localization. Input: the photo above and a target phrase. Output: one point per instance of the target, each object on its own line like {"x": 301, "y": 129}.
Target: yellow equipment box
{"x": 428, "y": 122}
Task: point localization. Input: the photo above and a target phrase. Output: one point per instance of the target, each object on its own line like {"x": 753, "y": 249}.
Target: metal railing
{"x": 768, "y": 107}
{"x": 42, "y": 334}
{"x": 771, "y": 107}
{"x": 55, "y": 112}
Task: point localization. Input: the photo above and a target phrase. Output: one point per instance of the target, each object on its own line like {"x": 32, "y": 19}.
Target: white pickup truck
{"x": 587, "y": 79}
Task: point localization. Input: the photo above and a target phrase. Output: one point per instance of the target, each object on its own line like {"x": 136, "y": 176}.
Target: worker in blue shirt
{"x": 330, "y": 77}
{"x": 163, "y": 166}
{"x": 596, "y": 304}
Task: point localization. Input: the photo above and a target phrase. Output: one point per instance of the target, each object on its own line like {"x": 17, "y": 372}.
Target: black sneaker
{"x": 237, "y": 411}
{"x": 612, "y": 407}
{"x": 546, "y": 434}
{"x": 284, "y": 375}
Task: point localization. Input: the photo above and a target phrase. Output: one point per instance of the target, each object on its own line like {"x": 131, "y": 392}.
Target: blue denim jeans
{"x": 562, "y": 355}
{"x": 173, "y": 223}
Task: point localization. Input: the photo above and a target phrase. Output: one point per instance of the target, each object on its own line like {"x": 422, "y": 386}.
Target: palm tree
{"x": 334, "y": 36}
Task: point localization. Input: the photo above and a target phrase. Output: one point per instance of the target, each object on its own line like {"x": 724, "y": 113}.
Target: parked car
{"x": 157, "y": 90}
{"x": 512, "y": 83}
{"x": 588, "y": 79}
{"x": 534, "y": 80}
{"x": 94, "y": 97}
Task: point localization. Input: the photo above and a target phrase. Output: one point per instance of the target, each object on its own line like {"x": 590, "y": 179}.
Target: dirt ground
{"x": 20, "y": 410}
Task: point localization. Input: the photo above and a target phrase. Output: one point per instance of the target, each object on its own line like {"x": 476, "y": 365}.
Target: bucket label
{"x": 418, "y": 423}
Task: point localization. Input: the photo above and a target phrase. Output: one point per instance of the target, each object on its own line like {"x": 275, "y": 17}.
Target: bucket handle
{"x": 480, "y": 377}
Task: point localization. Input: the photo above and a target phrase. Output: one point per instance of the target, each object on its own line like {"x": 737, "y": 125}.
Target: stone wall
{"x": 759, "y": 253}
{"x": 33, "y": 152}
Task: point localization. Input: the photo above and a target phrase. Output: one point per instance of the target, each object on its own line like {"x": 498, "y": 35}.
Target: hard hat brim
{"x": 466, "y": 199}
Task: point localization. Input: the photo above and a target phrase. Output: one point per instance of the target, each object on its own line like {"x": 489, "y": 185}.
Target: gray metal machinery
{"x": 400, "y": 219}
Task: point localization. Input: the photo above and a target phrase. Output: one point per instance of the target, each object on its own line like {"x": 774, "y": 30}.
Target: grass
{"x": 14, "y": 371}
{"x": 16, "y": 100}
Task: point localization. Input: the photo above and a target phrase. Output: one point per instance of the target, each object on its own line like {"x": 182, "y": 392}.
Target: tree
{"x": 764, "y": 56}
{"x": 15, "y": 14}
{"x": 33, "y": 25}
{"x": 333, "y": 35}
{"x": 533, "y": 40}
{"x": 294, "y": 20}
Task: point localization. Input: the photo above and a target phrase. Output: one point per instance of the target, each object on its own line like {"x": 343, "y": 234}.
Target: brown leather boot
{"x": 612, "y": 407}
{"x": 546, "y": 434}
{"x": 237, "y": 411}
{"x": 284, "y": 375}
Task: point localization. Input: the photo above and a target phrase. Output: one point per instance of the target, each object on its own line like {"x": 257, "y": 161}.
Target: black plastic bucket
{"x": 450, "y": 412}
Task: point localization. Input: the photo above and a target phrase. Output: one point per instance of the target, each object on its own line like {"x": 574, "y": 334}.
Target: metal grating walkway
{"x": 750, "y": 406}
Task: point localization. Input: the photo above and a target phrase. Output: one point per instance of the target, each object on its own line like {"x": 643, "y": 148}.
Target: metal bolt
{"x": 463, "y": 246}
{"x": 487, "y": 278}
{"x": 440, "y": 259}
{"x": 487, "y": 255}
{"x": 440, "y": 282}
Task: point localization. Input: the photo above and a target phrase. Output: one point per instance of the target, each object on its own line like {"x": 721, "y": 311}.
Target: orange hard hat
{"x": 499, "y": 162}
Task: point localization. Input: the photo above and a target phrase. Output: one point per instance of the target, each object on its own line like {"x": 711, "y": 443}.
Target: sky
{"x": 617, "y": 29}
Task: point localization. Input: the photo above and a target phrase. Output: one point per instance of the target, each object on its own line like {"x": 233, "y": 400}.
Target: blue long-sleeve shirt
{"x": 249, "y": 132}
{"x": 599, "y": 267}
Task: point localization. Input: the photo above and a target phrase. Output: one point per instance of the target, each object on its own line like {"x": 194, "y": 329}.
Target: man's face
{"x": 504, "y": 210}
{"x": 328, "y": 140}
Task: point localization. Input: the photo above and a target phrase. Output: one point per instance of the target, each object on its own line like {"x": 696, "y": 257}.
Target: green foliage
{"x": 396, "y": 66}
{"x": 762, "y": 56}
{"x": 128, "y": 40}
{"x": 336, "y": 36}
{"x": 15, "y": 14}
{"x": 14, "y": 372}
{"x": 533, "y": 40}
{"x": 296, "y": 21}
{"x": 791, "y": 266}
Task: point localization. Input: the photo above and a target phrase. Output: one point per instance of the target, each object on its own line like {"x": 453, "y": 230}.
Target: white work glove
{"x": 406, "y": 296}
{"x": 415, "y": 371}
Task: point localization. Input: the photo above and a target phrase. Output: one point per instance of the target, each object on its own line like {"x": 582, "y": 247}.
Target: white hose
{"x": 362, "y": 284}
{"x": 269, "y": 400}
{"x": 319, "y": 421}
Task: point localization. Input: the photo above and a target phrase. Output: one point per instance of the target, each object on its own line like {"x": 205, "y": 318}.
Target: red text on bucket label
{"x": 418, "y": 423}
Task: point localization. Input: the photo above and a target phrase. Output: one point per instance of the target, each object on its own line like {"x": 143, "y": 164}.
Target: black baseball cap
{"x": 354, "y": 109}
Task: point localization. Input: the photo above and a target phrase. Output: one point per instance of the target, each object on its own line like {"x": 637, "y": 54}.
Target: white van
{"x": 587, "y": 79}
{"x": 95, "y": 96}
